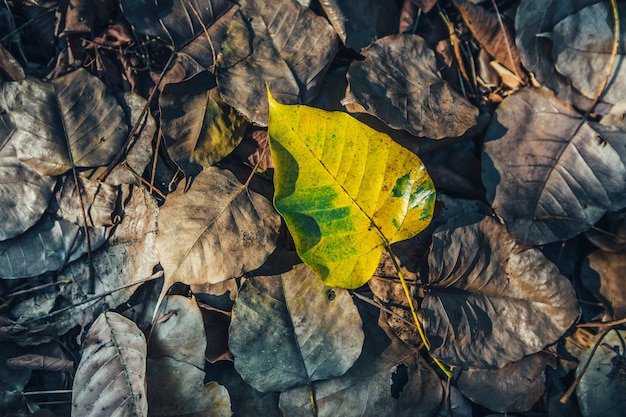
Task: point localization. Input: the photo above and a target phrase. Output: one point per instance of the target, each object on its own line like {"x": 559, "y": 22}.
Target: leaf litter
{"x": 189, "y": 198}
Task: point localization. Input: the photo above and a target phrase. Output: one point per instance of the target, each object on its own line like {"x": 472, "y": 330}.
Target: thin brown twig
{"x": 571, "y": 389}
{"x": 604, "y": 324}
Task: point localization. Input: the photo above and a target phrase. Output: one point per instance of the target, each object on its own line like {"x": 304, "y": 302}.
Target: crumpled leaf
{"x": 12, "y": 381}
{"x": 388, "y": 379}
{"x": 602, "y": 389}
{"x": 24, "y": 196}
{"x": 514, "y": 387}
{"x": 279, "y": 43}
{"x": 603, "y": 274}
{"x": 254, "y": 150}
{"x": 291, "y": 330}
{"x": 59, "y": 238}
{"x": 74, "y": 110}
{"x": 175, "y": 373}
{"x": 489, "y": 302}
{"x": 344, "y": 190}
{"x": 199, "y": 128}
{"x": 110, "y": 379}
{"x": 582, "y": 46}
{"x": 215, "y": 231}
{"x": 360, "y": 23}
{"x": 548, "y": 173}
{"x": 398, "y": 82}
{"x": 535, "y": 17}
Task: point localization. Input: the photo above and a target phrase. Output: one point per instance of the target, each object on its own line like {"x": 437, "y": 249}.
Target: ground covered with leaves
{"x": 144, "y": 269}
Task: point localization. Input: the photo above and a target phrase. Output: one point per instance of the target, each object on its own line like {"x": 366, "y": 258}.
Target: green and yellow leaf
{"x": 345, "y": 190}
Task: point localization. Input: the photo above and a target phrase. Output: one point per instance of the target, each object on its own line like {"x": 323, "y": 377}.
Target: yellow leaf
{"x": 345, "y": 190}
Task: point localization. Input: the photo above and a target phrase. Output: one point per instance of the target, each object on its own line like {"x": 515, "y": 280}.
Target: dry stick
{"x": 39, "y": 287}
{"x": 604, "y": 324}
{"x": 79, "y": 189}
{"x": 133, "y": 132}
{"x": 589, "y": 225}
{"x": 206, "y": 32}
{"x": 571, "y": 389}
{"x": 506, "y": 40}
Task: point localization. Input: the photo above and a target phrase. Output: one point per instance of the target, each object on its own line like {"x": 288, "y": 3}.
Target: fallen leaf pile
{"x": 218, "y": 208}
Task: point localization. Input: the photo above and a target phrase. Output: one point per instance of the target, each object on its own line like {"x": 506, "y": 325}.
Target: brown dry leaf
{"x": 515, "y": 387}
{"x": 255, "y": 151}
{"x": 398, "y": 82}
{"x": 497, "y": 36}
{"x": 216, "y": 324}
{"x": 40, "y": 362}
{"x": 215, "y": 231}
{"x": 603, "y": 274}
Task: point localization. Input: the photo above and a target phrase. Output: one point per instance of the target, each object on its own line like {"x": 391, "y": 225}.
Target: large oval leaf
{"x": 71, "y": 121}
{"x": 280, "y": 43}
{"x": 24, "y": 196}
{"x": 398, "y": 82}
{"x": 548, "y": 173}
{"x": 110, "y": 379}
{"x": 291, "y": 330}
{"x": 490, "y": 302}
{"x": 345, "y": 191}
{"x": 217, "y": 230}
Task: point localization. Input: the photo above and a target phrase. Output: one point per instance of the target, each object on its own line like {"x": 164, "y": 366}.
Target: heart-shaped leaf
{"x": 215, "y": 231}
{"x": 280, "y": 43}
{"x": 345, "y": 191}
{"x": 71, "y": 121}
{"x": 110, "y": 379}
{"x": 550, "y": 174}
{"x": 200, "y": 129}
{"x": 291, "y": 330}
{"x": 398, "y": 82}
{"x": 490, "y": 302}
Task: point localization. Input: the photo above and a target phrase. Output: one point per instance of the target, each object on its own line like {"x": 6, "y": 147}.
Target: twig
{"x": 604, "y": 324}
{"x": 571, "y": 389}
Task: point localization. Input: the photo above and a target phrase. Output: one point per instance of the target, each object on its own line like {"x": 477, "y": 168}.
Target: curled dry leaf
{"x": 549, "y": 173}
{"x": 582, "y": 49}
{"x": 536, "y": 17}
{"x": 514, "y": 387}
{"x": 200, "y": 129}
{"x": 24, "y": 196}
{"x": 110, "y": 379}
{"x": 602, "y": 388}
{"x": 388, "y": 379}
{"x": 215, "y": 231}
{"x": 279, "y": 44}
{"x": 490, "y": 302}
{"x": 40, "y": 362}
{"x": 71, "y": 121}
{"x": 175, "y": 374}
{"x": 291, "y": 330}
{"x": 398, "y": 82}
{"x": 255, "y": 150}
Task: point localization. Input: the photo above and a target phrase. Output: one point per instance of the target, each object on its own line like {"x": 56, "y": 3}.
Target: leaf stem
{"x": 418, "y": 324}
